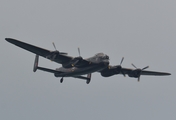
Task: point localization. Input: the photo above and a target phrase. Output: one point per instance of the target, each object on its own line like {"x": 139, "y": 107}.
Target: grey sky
{"x": 141, "y": 31}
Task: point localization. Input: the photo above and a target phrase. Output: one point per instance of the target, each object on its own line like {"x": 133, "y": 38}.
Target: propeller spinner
{"x": 139, "y": 70}
{"x": 121, "y": 67}
{"x": 77, "y": 59}
{"x": 61, "y": 53}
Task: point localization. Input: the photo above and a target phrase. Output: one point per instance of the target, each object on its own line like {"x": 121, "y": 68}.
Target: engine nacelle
{"x": 53, "y": 55}
{"x": 135, "y": 73}
{"x": 111, "y": 70}
{"x": 73, "y": 63}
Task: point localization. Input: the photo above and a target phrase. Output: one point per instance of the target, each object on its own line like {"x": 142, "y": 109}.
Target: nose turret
{"x": 106, "y": 62}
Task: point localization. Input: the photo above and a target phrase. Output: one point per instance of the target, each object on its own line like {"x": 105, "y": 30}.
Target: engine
{"x": 53, "y": 55}
{"x": 111, "y": 70}
{"x": 135, "y": 73}
{"x": 75, "y": 62}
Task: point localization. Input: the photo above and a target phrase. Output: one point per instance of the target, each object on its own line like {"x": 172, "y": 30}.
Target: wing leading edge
{"x": 136, "y": 73}
{"x": 59, "y": 58}
{"x": 153, "y": 73}
{"x": 56, "y": 56}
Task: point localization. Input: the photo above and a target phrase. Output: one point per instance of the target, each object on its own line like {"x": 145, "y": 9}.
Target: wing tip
{"x": 10, "y": 39}
{"x": 168, "y": 73}
{"x": 165, "y": 73}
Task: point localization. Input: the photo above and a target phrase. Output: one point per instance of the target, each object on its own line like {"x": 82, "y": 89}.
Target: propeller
{"x": 121, "y": 67}
{"x": 122, "y": 60}
{"x": 54, "y": 46}
{"x": 77, "y": 59}
{"x": 61, "y": 53}
{"x": 140, "y": 70}
{"x": 145, "y": 68}
{"x": 79, "y": 52}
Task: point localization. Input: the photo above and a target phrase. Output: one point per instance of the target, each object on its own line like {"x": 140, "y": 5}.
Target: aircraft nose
{"x": 106, "y": 62}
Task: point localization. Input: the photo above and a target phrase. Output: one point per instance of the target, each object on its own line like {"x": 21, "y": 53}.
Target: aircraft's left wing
{"x": 144, "y": 72}
{"x": 154, "y": 73}
{"x": 136, "y": 73}
{"x": 52, "y": 55}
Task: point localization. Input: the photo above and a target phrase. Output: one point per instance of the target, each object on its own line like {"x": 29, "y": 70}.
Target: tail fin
{"x": 36, "y": 63}
{"x": 42, "y": 68}
{"x": 88, "y": 78}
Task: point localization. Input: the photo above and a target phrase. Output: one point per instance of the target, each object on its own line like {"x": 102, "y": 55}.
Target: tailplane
{"x": 88, "y": 78}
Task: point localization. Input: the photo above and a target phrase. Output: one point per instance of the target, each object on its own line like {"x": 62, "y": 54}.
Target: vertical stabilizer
{"x": 88, "y": 78}
{"x": 36, "y": 63}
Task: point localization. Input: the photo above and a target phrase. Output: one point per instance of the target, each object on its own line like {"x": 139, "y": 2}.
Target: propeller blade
{"x": 139, "y": 79}
{"x": 122, "y": 60}
{"x": 75, "y": 63}
{"x": 133, "y": 65}
{"x": 140, "y": 70}
{"x": 61, "y": 53}
{"x": 79, "y": 51}
{"x": 54, "y": 46}
{"x": 123, "y": 73}
{"x": 145, "y": 68}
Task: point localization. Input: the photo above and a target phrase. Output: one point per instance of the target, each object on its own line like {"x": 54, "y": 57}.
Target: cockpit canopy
{"x": 102, "y": 56}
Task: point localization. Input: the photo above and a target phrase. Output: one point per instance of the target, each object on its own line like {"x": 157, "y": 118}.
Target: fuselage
{"x": 97, "y": 63}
